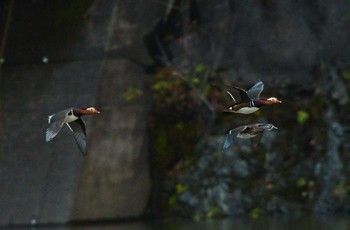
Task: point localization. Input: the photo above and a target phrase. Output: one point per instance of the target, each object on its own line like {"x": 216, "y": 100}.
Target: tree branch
{"x": 180, "y": 74}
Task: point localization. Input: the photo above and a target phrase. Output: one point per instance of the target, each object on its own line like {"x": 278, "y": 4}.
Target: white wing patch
{"x": 49, "y": 135}
{"x": 53, "y": 130}
{"x": 232, "y": 97}
{"x": 49, "y": 118}
{"x": 69, "y": 127}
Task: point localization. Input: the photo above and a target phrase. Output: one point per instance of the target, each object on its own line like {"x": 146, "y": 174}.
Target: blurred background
{"x": 158, "y": 71}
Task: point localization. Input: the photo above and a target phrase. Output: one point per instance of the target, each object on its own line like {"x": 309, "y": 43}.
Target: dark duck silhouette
{"x": 252, "y": 132}
{"x": 250, "y": 101}
{"x": 72, "y": 118}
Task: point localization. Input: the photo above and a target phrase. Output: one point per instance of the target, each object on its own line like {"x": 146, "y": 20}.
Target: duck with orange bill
{"x": 72, "y": 118}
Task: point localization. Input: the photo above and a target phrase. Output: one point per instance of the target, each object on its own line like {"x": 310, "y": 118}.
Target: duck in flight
{"x": 72, "y": 118}
{"x": 250, "y": 100}
{"x": 252, "y": 132}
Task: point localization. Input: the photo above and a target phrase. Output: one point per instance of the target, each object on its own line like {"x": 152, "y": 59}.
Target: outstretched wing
{"x": 53, "y": 130}
{"x": 231, "y": 136}
{"x": 232, "y": 97}
{"x": 243, "y": 94}
{"x": 79, "y": 132}
{"x": 255, "y": 91}
{"x": 56, "y": 122}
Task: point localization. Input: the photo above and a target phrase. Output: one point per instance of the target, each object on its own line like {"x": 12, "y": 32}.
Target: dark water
{"x": 321, "y": 222}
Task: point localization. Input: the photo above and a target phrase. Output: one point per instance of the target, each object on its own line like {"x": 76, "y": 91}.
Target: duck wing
{"x": 53, "y": 130}
{"x": 231, "y": 136}
{"x": 56, "y": 122}
{"x": 232, "y": 97}
{"x": 255, "y": 91}
{"x": 78, "y": 128}
{"x": 243, "y": 94}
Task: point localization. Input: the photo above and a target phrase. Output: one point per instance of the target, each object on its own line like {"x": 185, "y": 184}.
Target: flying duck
{"x": 72, "y": 118}
{"x": 250, "y": 101}
{"x": 252, "y": 132}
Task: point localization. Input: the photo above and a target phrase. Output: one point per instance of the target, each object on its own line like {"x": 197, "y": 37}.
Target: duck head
{"x": 267, "y": 126}
{"x": 88, "y": 111}
{"x": 271, "y": 100}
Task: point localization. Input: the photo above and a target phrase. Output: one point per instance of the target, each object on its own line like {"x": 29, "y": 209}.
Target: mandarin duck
{"x": 250, "y": 101}
{"x": 252, "y": 132}
{"x": 72, "y": 118}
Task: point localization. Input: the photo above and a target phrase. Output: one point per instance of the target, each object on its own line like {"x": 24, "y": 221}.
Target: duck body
{"x": 72, "y": 118}
{"x": 250, "y": 100}
{"x": 252, "y": 131}
{"x": 245, "y": 108}
{"x": 67, "y": 115}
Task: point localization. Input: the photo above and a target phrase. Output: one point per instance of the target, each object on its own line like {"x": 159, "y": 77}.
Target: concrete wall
{"x": 38, "y": 179}
{"x": 91, "y": 63}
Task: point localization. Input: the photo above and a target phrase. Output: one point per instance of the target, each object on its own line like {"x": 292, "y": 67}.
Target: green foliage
{"x": 342, "y": 191}
{"x": 301, "y": 182}
{"x": 194, "y": 80}
{"x": 132, "y": 93}
{"x": 164, "y": 151}
{"x": 182, "y": 90}
{"x": 212, "y": 212}
{"x": 200, "y": 68}
{"x": 345, "y": 74}
{"x": 255, "y": 213}
{"x": 162, "y": 85}
{"x": 179, "y": 126}
{"x": 302, "y": 116}
{"x": 167, "y": 90}
{"x": 180, "y": 188}
{"x": 172, "y": 201}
